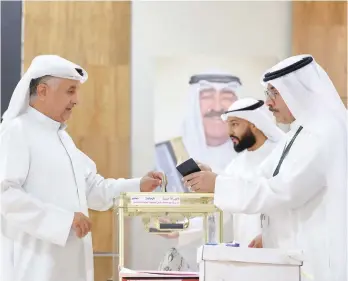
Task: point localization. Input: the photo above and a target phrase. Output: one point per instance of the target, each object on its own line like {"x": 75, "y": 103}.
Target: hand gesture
{"x": 257, "y": 242}
{"x": 81, "y": 224}
{"x": 204, "y": 167}
{"x": 203, "y": 182}
{"x": 150, "y": 181}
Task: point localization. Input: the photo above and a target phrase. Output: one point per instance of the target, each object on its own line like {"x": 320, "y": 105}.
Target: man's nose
{"x": 230, "y": 132}
{"x": 75, "y": 100}
{"x": 269, "y": 102}
{"x": 217, "y": 106}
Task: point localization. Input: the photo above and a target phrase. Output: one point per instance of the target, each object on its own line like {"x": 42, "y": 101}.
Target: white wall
{"x": 176, "y": 28}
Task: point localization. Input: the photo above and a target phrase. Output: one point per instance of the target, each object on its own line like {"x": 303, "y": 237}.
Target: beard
{"x": 245, "y": 142}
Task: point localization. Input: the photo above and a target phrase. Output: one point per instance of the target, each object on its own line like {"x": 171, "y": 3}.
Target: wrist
{"x": 132, "y": 185}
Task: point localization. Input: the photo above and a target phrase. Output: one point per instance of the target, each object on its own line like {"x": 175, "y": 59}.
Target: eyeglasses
{"x": 270, "y": 94}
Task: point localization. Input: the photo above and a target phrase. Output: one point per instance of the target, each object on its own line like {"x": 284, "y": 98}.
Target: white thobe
{"x": 219, "y": 157}
{"x": 44, "y": 179}
{"x": 240, "y": 227}
{"x": 297, "y": 201}
{"x": 247, "y": 227}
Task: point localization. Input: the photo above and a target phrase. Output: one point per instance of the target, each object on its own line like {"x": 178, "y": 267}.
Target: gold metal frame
{"x": 155, "y": 205}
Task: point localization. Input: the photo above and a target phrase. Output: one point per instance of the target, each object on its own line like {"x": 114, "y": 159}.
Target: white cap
{"x": 43, "y": 65}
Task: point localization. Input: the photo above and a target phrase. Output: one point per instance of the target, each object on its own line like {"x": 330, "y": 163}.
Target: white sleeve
{"x": 229, "y": 169}
{"x": 20, "y": 209}
{"x": 100, "y": 191}
{"x": 289, "y": 189}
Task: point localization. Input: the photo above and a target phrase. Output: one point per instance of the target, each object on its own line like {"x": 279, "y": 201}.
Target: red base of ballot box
{"x": 158, "y": 279}
{"x": 159, "y": 276}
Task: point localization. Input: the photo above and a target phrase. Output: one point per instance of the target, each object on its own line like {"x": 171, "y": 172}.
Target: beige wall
{"x": 320, "y": 28}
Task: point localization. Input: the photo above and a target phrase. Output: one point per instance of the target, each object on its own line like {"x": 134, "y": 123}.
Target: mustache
{"x": 214, "y": 113}
{"x": 234, "y": 137}
{"x": 272, "y": 109}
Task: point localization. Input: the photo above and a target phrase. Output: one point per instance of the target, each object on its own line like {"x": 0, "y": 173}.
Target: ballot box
{"x": 224, "y": 263}
{"x": 162, "y": 213}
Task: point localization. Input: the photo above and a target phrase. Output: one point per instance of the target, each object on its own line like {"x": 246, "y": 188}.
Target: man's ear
{"x": 253, "y": 128}
{"x": 41, "y": 91}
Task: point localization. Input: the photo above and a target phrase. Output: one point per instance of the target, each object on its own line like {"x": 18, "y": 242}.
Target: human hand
{"x": 81, "y": 224}
{"x": 256, "y": 242}
{"x": 203, "y": 167}
{"x": 203, "y": 182}
{"x": 150, "y": 181}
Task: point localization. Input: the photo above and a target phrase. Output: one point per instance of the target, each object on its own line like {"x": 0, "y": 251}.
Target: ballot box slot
{"x": 171, "y": 226}
{"x": 155, "y": 230}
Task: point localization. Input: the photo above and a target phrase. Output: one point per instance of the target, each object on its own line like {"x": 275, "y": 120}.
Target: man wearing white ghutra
{"x": 254, "y": 135}
{"x": 48, "y": 184}
{"x": 302, "y": 187}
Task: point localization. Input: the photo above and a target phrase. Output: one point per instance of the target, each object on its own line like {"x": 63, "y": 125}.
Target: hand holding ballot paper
{"x": 150, "y": 181}
{"x": 204, "y": 167}
{"x": 195, "y": 178}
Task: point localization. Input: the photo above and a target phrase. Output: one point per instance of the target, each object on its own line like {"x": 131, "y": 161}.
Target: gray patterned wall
{"x": 11, "y": 44}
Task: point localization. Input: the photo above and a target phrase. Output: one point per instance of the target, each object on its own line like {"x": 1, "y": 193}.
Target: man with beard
{"x": 301, "y": 189}
{"x": 204, "y": 135}
{"x": 254, "y": 136}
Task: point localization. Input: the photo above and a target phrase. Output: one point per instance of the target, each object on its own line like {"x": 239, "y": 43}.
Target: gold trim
{"x": 179, "y": 150}
{"x": 191, "y": 205}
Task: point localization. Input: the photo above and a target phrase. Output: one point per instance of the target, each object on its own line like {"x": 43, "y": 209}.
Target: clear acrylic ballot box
{"x": 162, "y": 213}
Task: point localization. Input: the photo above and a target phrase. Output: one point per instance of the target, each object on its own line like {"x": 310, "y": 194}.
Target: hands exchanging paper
{"x": 203, "y": 182}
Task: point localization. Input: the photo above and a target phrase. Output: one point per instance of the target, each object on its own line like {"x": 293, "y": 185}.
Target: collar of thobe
{"x": 294, "y": 126}
{"x": 46, "y": 121}
{"x": 259, "y": 149}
